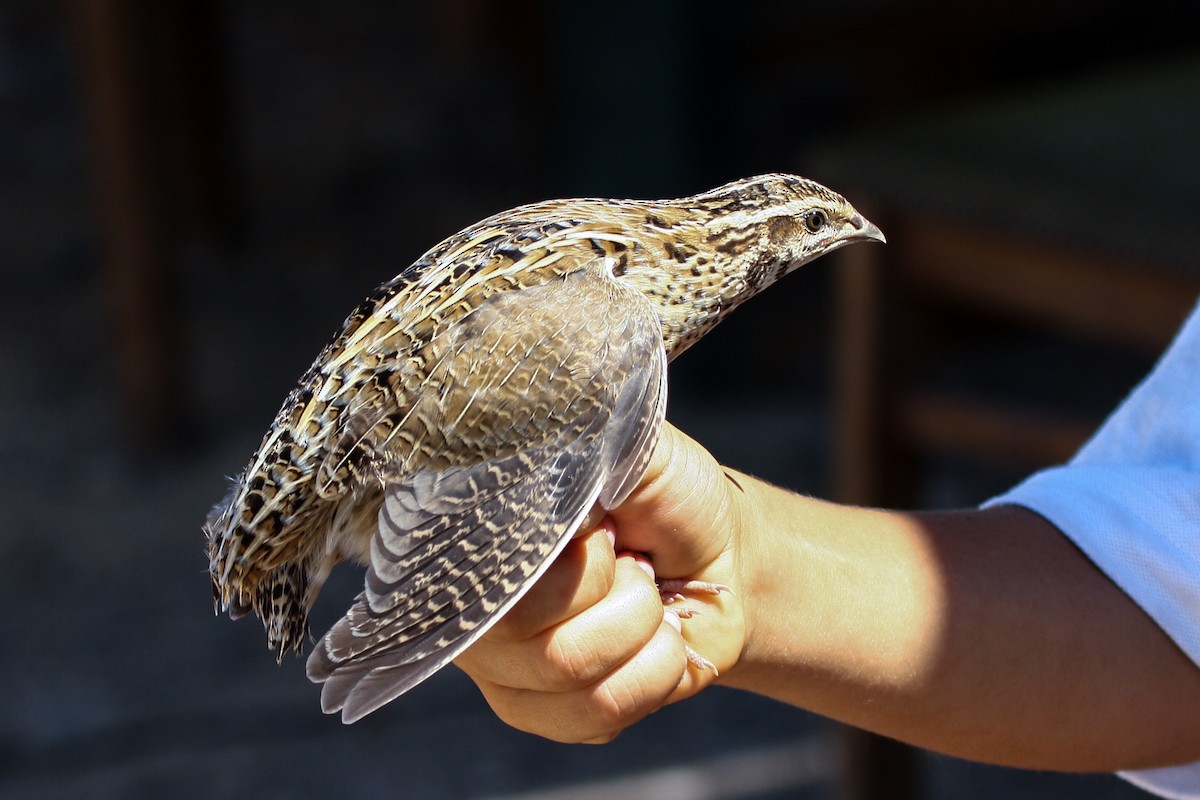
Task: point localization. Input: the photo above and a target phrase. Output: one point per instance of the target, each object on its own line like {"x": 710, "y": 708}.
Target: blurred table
{"x": 1070, "y": 212}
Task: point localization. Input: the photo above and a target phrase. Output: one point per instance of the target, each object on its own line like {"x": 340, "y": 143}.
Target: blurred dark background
{"x": 193, "y": 195}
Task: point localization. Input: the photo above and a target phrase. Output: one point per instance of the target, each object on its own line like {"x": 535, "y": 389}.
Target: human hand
{"x": 589, "y": 650}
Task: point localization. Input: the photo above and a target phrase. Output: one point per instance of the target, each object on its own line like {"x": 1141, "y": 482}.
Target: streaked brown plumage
{"x": 474, "y": 410}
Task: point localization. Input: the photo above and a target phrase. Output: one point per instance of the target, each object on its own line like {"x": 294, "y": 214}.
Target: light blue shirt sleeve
{"x": 1130, "y": 500}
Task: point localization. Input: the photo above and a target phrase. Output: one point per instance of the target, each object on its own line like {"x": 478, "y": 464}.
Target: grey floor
{"x": 118, "y": 680}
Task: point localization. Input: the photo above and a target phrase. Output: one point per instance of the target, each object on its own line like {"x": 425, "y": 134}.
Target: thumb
{"x": 682, "y": 512}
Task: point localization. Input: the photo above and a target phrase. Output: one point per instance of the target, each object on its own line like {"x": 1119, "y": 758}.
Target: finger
{"x": 597, "y": 713}
{"x": 682, "y": 509}
{"x": 580, "y": 577}
{"x": 580, "y": 650}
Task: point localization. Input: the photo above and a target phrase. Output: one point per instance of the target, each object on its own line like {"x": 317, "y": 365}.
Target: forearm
{"x": 982, "y": 634}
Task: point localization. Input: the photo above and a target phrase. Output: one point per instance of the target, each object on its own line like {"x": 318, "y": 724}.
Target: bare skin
{"x": 982, "y": 634}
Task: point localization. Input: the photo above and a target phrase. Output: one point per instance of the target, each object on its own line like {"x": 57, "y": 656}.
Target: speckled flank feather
{"x": 474, "y": 410}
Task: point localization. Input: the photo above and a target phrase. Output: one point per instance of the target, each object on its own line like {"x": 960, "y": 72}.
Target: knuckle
{"x": 615, "y": 705}
{"x": 580, "y": 657}
{"x": 647, "y": 602}
{"x": 571, "y": 662}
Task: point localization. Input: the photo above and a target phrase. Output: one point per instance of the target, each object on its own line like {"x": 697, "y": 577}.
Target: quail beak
{"x": 861, "y": 229}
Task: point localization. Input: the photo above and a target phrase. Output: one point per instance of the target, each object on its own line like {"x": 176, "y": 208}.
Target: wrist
{"x": 770, "y": 575}
{"x": 841, "y": 603}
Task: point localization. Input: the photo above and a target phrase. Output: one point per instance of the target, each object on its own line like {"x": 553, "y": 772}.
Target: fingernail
{"x": 672, "y": 619}
{"x": 644, "y": 564}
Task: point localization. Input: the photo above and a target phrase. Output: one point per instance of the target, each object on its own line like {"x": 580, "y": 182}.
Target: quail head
{"x": 480, "y": 407}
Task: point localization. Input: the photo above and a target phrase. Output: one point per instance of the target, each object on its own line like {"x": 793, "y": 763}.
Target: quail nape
{"x": 480, "y": 407}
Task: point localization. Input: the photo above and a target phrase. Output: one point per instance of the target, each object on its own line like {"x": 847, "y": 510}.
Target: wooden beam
{"x": 989, "y": 431}
{"x": 1071, "y": 291}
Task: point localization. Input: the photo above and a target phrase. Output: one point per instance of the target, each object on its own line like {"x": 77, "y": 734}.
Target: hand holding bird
{"x": 590, "y": 649}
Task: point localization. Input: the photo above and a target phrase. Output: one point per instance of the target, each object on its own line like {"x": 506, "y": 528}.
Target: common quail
{"x": 477, "y": 409}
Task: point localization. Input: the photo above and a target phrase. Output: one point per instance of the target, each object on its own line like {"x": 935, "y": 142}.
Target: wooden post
{"x": 151, "y": 88}
{"x": 135, "y": 217}
{"x": 867, "y": 472}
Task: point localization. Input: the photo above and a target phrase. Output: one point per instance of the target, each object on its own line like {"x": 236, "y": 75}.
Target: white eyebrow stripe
{"x": 749, "y": 217}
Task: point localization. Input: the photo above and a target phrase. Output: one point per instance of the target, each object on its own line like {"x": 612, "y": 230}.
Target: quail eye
{"x": 815, "y": 219}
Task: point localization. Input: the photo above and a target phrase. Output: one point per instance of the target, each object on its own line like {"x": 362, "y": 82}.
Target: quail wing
{"x": 541, "y": 404}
